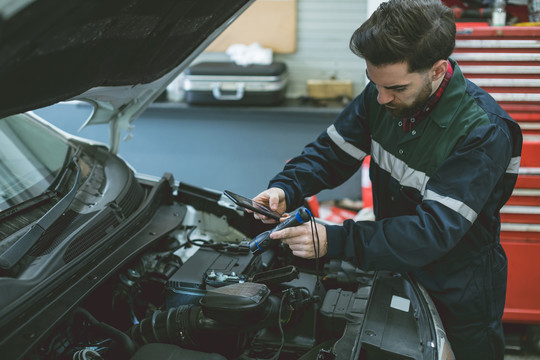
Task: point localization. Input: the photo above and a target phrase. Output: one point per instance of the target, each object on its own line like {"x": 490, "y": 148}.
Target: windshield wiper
{"x": 28, "y": 204}
{"x": 21, "y": 246}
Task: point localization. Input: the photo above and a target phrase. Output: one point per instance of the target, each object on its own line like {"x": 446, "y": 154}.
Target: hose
{"x": 123, "y": 339}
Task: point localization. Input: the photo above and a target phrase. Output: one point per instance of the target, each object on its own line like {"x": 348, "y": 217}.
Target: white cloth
{"x": 250, "y": 54}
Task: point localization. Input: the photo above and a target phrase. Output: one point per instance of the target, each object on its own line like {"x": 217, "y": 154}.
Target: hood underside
{"x": 54, "y": 50}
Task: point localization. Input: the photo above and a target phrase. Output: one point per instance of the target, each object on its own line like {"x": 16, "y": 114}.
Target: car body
{"x": 99, "y": 262}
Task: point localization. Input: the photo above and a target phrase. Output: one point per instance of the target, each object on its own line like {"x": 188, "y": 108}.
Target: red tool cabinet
{"x": 505, "y": 61}
{"x": 520, "y": 236}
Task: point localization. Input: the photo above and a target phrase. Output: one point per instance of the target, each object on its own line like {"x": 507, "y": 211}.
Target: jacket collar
{"x": 451, "y": 100}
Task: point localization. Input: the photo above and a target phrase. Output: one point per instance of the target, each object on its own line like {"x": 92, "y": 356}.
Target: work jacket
{"x": 437, "y": 193}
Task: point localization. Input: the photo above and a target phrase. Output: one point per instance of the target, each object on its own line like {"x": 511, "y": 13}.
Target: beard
{"x": 418, "y": 104}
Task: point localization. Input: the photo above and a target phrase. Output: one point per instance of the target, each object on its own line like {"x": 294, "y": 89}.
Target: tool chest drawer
{"x": 520, "y": 237}
{"x": 505, "y": 61}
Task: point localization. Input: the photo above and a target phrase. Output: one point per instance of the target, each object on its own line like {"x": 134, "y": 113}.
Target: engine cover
{"x": 209, "y": 269}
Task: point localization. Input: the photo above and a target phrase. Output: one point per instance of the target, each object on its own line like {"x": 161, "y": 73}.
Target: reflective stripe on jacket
{"x": 437, "y": 194}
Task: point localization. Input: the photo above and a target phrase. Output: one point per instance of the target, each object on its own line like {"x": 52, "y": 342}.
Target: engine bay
{"x": 198, "y": 292}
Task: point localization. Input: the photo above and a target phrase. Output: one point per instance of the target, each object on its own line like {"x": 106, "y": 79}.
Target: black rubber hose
{"x": 123, "y": 339}
{"x": 184, "y": 326}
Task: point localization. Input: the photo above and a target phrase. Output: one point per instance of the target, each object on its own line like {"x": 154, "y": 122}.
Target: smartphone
{"x": 252, "y": 205}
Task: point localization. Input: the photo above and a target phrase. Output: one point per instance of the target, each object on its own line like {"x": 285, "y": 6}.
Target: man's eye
{"x": 400, "y": 89}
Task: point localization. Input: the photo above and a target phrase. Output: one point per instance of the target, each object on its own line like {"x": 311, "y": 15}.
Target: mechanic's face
{"x": 402, "y": 93}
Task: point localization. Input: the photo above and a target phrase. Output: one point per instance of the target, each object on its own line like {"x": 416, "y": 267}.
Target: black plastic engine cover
{"x": 209, "y": 269}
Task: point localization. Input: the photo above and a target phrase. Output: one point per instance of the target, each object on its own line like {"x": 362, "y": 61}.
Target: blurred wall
{"x": 322, "y": 52}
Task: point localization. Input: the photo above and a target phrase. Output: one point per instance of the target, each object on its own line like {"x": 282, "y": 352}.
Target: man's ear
{"x": 439, "y": 69}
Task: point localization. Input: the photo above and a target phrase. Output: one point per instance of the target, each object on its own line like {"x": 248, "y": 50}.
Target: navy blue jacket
{"x": 437, "y": 194}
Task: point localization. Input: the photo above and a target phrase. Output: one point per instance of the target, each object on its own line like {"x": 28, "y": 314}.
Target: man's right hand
{"x": 274, "y": 198}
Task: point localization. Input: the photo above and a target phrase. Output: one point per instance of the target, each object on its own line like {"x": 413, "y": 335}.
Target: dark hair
{"x": 420, "y": 32}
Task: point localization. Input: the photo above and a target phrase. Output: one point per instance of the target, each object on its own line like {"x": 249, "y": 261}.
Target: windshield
{"x": 30, "y": 158}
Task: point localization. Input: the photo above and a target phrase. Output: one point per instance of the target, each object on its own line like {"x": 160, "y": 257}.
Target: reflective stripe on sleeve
{"x": 344, "y": 145}
{"x": 513, "y": 167}
{"x": 398, "y": 169}
{"x": 453, "y": 204}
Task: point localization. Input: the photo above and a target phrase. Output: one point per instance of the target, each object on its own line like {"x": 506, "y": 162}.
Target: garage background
{"x": 248, "y": 144}
{"x": 241, "y": 148}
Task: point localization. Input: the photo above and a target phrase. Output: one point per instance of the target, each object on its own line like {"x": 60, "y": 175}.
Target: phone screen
{"x": 252, "y": 205}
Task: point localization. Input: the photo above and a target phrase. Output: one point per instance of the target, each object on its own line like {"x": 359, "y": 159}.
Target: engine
{"x": 201, "y": 294}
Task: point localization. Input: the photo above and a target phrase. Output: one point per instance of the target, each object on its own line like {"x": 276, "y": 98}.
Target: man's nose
{"x": 384, "y": 96}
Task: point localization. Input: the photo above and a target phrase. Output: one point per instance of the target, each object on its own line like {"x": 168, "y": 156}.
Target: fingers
{"x": 264, "y": 219}
{"x": 263, "y": 198}
{"x": 274, "y": 198}
{"x": 300, "y": 240}
{"x": 268, "y": 220}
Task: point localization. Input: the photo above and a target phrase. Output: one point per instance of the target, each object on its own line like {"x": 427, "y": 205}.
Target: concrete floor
{"x": 521, "y": 356}
{"x": 516, "y": 349}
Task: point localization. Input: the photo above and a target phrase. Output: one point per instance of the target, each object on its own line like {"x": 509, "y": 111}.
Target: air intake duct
{"x": 221, "y": 323}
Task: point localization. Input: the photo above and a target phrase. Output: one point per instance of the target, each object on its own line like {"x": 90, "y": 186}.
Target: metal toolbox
{"x": 225, "y": 83}
{"x": 504, "y": 61}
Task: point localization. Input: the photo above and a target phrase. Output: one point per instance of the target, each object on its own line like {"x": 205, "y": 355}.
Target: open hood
{"x": 119, "y": 55}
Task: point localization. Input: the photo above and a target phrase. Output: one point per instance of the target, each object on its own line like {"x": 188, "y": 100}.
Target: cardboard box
{"x": 271, "y": 23}
{"x": 329, "y": 89}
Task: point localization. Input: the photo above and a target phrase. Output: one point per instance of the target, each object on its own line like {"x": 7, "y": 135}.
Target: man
{"x": 445, "y": 159}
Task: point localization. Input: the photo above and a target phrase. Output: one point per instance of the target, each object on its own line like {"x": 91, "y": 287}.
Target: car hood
{"x": 119, "y": 55}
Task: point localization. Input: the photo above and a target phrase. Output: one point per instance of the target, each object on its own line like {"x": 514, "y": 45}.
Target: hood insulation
{"x": 53, "y": 50}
